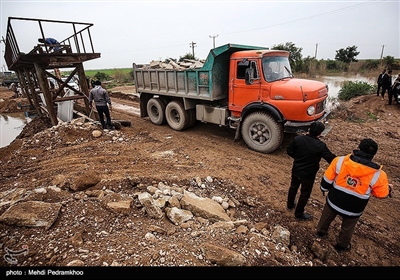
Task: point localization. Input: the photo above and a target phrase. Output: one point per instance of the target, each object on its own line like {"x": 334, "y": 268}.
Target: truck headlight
{"x": 311, "y": 110}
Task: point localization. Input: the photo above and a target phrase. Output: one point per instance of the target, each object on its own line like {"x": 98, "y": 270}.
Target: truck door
{"x": 242, "y": 93}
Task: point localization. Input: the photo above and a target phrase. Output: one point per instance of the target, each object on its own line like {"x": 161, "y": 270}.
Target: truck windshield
{"x": 276, "y": 68}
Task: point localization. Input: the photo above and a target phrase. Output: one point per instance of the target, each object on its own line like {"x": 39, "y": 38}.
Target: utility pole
{"x": 383, "y": 46}
{"x": 213, "y": 37}
{"x": 192, "y": 45}
{"x": 316, "y": 48}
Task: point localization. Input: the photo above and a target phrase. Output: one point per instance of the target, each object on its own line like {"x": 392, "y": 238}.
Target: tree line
{"x": 343, "y": 58}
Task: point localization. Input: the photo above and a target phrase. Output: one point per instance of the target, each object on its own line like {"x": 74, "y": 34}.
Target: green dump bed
{"x": 208, "y": 83}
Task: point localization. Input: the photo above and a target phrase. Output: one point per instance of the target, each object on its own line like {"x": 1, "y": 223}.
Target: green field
{"x": 109, "y": 72}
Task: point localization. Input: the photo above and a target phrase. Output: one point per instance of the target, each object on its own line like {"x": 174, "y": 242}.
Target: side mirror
{"x": 249, "y": 76}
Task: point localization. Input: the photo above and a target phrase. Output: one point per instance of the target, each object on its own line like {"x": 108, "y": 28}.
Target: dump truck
{"x": 248, "y": 88}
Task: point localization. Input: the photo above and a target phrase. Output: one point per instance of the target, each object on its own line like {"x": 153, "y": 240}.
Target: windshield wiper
{"x": 290, "y": 73}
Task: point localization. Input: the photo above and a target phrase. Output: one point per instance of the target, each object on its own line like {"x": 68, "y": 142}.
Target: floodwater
{"x": 11, "y": 125}
{"x": 335, "y": 83}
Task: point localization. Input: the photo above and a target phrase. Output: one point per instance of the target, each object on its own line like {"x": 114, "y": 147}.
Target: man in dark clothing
{"x": 380, "y": 81}
{"x": 306, "y": 151}
{"x": 101, "y": 99}
{"x": 386, "y": 84}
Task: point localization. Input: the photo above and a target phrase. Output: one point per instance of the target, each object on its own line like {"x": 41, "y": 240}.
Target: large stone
{"x": 87, "y": 180}
{"x": 31, "y": 214}
{"x": 203, "y": 207}
{"x": 222, "y": 256}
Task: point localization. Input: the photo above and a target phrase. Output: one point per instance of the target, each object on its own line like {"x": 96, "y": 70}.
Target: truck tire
{"x": 176, "y": 115}
{"x": 192, "y": 117}
{"x": 156, "y": 111}
{"x": 262, "y": 133}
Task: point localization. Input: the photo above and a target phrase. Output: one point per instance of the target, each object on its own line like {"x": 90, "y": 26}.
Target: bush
{"x": 371, "y": 64}
{"x": 352, "y": 89}
{"x": 101, "y": 76}
{"x": 336, "y": 66}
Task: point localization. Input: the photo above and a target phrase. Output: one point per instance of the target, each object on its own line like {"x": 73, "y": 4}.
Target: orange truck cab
{"x": 248, "y": 88}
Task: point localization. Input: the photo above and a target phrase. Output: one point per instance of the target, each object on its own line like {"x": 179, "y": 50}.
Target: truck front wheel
{"x": 156, "y": 111}
{"x": 262, "y": 133}
{"x": 176, "y": 115}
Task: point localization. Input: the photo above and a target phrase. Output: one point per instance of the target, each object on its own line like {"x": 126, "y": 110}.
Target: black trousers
{"x": 103, "y": 110}
{"x": 392, "y": 93}
{"x": 305, "y": 193}
{"x": 384, "y": 89}
{"x": 378, "y": 90}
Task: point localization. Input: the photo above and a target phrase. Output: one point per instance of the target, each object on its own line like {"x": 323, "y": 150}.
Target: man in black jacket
{"x": 306, "y": 151}
{"x": 380, "y": 81}
{"x": 386, "y": 84}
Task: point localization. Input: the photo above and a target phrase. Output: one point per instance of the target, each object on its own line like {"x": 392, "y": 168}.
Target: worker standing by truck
{"x": 306, "y": 151}
{"x": 101, "y": 99}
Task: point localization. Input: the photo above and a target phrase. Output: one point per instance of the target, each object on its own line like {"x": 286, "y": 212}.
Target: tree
{"x": 388, "y": 61}
{"x": 187, "y": 56}
{"x": 295, "y": 57}
{"x": 347, "y": 55}
{"x": 101, "y": 76}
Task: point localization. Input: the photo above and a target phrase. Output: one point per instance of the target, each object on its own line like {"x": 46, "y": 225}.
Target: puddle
{"x": 11, "y": 126}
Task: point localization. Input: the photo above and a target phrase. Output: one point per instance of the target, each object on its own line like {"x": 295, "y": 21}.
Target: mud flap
{"x": 238, "y": 136}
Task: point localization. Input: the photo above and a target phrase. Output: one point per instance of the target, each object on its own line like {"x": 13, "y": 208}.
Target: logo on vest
{"x": 351, "y": 182}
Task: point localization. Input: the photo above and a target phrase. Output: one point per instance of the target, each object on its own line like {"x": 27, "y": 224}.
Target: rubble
{"x": 171, "y": 64}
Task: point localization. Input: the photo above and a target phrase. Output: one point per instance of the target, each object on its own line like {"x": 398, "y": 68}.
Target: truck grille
{"x": 320, "y": 106}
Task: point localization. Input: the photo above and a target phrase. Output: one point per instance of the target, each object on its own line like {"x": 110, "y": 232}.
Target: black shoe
{"x": 304, "y": 216}
{"x": 291, "y": 207}
{"x": 341, "y": 249}
{"x": 321, "y": 234}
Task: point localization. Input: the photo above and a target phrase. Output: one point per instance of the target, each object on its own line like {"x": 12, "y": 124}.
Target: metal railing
{"x": 78, "y": 42}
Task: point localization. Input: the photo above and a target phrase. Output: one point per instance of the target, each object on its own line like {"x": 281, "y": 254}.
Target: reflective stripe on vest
{"x": 367, "y": 195}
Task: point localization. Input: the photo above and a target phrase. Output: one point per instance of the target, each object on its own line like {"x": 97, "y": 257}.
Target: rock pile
{"x": 171, "y": 64}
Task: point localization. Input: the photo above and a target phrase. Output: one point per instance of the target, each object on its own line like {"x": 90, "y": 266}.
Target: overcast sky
{"x": 127, "y": 32}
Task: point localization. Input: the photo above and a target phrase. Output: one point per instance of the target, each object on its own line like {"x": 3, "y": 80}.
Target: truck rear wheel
{"x": 156, "y": 111}
{"x": 192, "y": 117}
{"x": 176, "y": 115}
{"x": 262, "y": 133}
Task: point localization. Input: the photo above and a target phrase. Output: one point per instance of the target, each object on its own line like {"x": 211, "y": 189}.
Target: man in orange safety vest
{"x": 350, "y": 181}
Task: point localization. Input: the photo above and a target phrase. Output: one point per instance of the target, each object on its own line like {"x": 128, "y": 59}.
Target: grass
{"x": 109, "y": 72}
{"x": 372, "y": 116}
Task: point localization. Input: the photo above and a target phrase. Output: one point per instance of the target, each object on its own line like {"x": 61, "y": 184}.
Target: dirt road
{"x": 154, "y": 154}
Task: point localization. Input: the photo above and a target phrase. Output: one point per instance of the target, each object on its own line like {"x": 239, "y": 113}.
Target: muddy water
{"x": 335, "y": 83}
{"x": 11, "y": 125}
